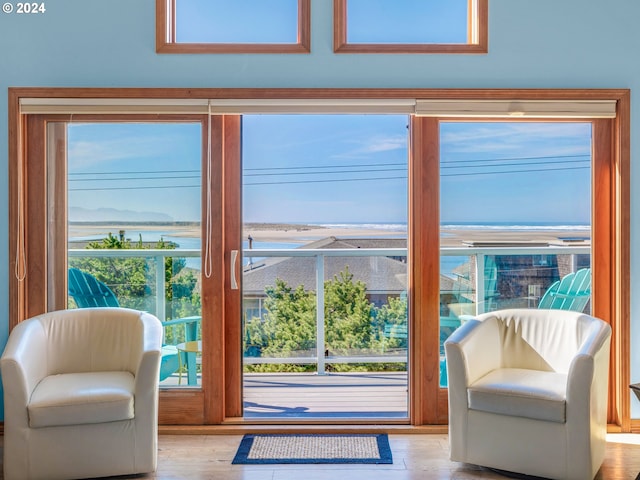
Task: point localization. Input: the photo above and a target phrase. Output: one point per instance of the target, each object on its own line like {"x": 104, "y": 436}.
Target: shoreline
{"x": 450, "y": 235}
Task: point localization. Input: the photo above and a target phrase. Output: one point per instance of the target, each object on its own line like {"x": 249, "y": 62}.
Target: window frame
{"x": 218, "y": 404}
{"x": 477, "y": 35}
{"x": 166, "y": 35}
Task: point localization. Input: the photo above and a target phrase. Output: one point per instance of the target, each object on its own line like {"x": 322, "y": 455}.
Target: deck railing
{"x": 158, "y": 256}
{"x": 155, "y": 256}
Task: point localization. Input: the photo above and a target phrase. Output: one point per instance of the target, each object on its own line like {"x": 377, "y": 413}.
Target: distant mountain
{"x": 79, "y": 214}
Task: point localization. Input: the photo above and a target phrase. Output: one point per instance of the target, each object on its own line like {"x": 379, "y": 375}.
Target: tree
{"x": 288, "y": 327}
{"x": 130, "y": 277}
{"x": 391, "y": 314}
{"x": 290, "y": 322}
{"x": 347, "y": 314}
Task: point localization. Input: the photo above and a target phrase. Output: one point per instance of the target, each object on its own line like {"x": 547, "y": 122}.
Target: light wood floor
{"x": 415, "y": 457}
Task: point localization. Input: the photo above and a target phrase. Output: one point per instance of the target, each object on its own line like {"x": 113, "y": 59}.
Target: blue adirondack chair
{"x": 571, "y": 292}
{"x": 87, "y": 291}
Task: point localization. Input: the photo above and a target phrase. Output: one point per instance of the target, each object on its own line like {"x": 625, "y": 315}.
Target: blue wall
{"x": 111, "y": 43}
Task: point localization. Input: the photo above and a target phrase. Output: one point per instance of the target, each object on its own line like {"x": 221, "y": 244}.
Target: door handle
{"x": 234, "y": 260}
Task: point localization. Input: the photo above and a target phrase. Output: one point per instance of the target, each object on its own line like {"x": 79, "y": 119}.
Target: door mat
{"x": 314, "y": 448}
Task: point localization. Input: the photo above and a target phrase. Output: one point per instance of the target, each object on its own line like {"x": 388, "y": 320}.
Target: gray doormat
{"x": 314, "y": 448}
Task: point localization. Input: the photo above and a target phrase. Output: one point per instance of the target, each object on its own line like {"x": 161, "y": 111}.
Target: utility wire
{"x": 404, "y": 177}
{"x": 325, "y": 173}
{"x": 131, "y": 188}
{"x": 354, "y": 169}
{"x": 444, "y": 164}
{"x": 134, "y": 173}
{"x": 585, "y": 157}
{"x": 305, "y": 167}
{"x": 131, "y": 178}
{"x": 546, "y": 157}
{"x": 514, "y": 171}
{"x": 328, "y": 180}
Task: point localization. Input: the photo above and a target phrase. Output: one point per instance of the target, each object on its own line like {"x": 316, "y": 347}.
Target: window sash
{"x": 477, "y": 35}
{"x": 166, "y": 41}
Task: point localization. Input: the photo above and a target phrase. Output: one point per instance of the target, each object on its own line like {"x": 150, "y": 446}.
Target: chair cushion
{"x": 520, "y": 392}
{"x": 81, "y": 398}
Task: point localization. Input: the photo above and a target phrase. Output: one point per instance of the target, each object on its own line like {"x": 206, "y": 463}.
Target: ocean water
{"x": 390, "y": 227}
{"x": 518, "y": 227}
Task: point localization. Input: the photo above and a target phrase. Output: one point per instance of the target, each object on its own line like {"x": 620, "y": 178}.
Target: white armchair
{"x": 528, "y": 392}
{"x": 81, "y": 394}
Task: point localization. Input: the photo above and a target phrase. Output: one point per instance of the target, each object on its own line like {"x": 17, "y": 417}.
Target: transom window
{"x": 410, "y": 26}
{"x": 232, "y": 26}
{"x": 283, "y": 26}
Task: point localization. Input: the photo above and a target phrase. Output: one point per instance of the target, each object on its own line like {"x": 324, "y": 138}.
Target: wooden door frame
{"x": 613, "y": 231}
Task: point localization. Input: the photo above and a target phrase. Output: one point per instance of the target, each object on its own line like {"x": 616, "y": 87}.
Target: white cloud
{"x": 84, "y": 153}
{"x": 372, "y": 145}
{"x": 533, "y": 139}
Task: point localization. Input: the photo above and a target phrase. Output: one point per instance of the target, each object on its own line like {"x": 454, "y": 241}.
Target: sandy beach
{"x": 448, "y": 236}
{"x": 291, "y": 233}
{"x": 300, "y": 233}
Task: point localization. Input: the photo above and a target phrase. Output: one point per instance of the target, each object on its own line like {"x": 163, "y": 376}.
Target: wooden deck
{"x": 334, "y": 395}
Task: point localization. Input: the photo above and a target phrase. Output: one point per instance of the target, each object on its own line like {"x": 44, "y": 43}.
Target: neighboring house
{"x": 384, "y": 276}
{"x": 520, "y": 280}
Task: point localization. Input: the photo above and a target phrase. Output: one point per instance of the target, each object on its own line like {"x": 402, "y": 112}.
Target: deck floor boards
{"x": 334, "y": 395}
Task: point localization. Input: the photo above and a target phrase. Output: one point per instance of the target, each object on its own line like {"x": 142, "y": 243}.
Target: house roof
{"x": 381, "y": 274}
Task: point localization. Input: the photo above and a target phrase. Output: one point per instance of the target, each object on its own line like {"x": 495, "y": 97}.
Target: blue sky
{"x": 336, "y": 169}
{"x": 149, "y": 168}
{"x": 238, "y": 21}
{"x": 407, "y": 21}
{"x": 275, "y": 21}
{"x": 352, "y": 152}
{"x": 516, "y": 172}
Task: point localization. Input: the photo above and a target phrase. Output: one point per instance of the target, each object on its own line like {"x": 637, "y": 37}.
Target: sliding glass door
{"x": 323, "y": 246}
{"x": 126, "y": 223}
{"x": 134, "y": 230}
{"x": 515, "y": 218}
{"x": 325, "y": 332}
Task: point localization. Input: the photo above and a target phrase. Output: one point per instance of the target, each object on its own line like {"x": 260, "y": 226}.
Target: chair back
{"x": 88, "y": 292}
{"x": 572, "y": 292}
{"x": 92, "y": 339}
{"x": 543, "y": 339}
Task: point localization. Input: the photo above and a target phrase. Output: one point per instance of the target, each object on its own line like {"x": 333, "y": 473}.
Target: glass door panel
{"x": 325, "y": 266}
{"x": 515, "y": 218}
{"x": 133, "y": 229}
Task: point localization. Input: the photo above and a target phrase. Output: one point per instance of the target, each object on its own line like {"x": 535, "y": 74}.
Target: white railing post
{"x": 160, "y": 288}
{"x": 480, "y": 303}
{"x": 320, "y": 314}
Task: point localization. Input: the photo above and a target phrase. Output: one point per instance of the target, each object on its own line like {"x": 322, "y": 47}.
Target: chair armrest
{"x": 587, "y": 392}
{"x": 589, "y": 369}
{"x": 570, "y": 295}
{"x": 148, "y": 369}
{"x": 181, "y": 321}
{"x": 474, "y": 350}
{"x": 471, "y": 351}
{"x": 190, "y": 326}
{"x": 24, "y": 364}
